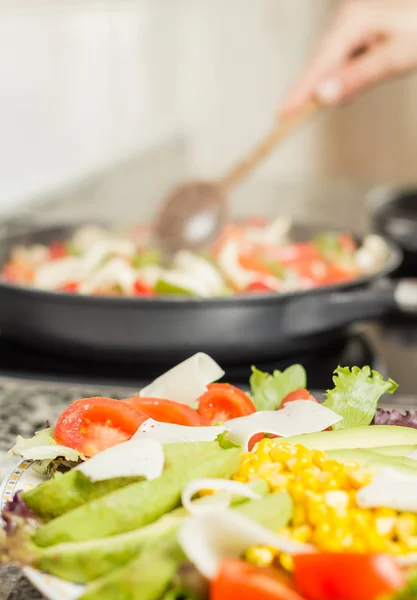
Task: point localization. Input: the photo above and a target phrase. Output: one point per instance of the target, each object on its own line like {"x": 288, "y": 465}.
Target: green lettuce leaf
{"x": 44, "y": 437}
{"x": 268, "y": 391}
{"x": 356, "y": 394}
{"x": 224, "y": 443}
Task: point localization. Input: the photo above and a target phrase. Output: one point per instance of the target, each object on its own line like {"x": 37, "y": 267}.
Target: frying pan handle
{"x": 372, "y": 302}
{"x": 405, "y": 296}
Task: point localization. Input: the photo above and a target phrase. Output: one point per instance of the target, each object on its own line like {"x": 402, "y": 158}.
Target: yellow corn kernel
{"x": 351, "y": 464}
{"x": 410, "y": 543}
{"x": 332, "y": 466}
{"x": 318, "y": 457}
{"x": 332, "y": 483}
{"x": 296, "y": 489}
{"x": 384, "y": 525}
{"x": 286, "y": 562}
{"x": 299, "y": 516}
{"x": 266, "y": 445}
{"x": 310, "y": 478}
{"x": 359, "y": 478}
{"x": 301, "y": 450}
{"x": 302, "y": 533}
{"x": 316, "y": 508}
{"x": 338, "y": 501}
{"x": 385, "y": 512}
{"x": 282, "y": 453}
{"x": 276, "y": 481}
{"x": 299, "y": 464}
{"x": 405, "y": 526}
{"x": 261, "y": 556}
{"x": 361, "y": 519}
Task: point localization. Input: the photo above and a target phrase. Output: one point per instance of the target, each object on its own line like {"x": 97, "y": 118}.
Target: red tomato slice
{"x": 259, "y": 286}
{"x": 347, "y": 243}
{"x": 253, "y": 263}
{"x": 57, "y": 250}
{"x": 141, "y": 289}
{"x": 347, "y": 576}
{"x": 290, "y": 253}
{"x": 223, "y": 402}
{"x": 166, "y": 411}
{"x": 298, "y": 395}
{"x": 91, "y": 425}
{"x": 70, "y": 287}
{"x": 17, "y": 272}
{"x": 238, "y": 580}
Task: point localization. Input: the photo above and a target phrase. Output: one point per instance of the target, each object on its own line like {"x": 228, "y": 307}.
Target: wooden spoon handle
{"x": 281, "y": 131}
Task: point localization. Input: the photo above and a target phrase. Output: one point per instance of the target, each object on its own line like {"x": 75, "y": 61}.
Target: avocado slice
{"x": 356, "y": 437}
{"x": 395, "y": 450}
{"x": 373, "y": 462}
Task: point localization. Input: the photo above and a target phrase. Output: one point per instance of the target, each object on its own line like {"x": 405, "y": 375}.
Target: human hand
{"x": 369, "y": 41}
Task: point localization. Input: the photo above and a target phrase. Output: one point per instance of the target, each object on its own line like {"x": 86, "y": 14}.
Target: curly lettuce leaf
{"x": 356, "y": 394}
{"x": 224, "y": 443}
{"x": 269, "y": 390}
{"x": 44, "y": 437}
{"x": 50, "y": 456}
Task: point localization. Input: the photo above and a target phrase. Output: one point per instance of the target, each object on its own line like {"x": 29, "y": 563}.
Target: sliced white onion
{"x": 296, "y": 418}
{"x": 187, "y": 281}
{"x": 117, "y": 272}
{"x": 390, "y": 489}
{"x": 228, "y": 261}
{"x": 143, "y": 457}
{"x": 232, "y": 488}
{"x": 47, "y": 452}
{"x": 105, "y": 248}
{"x": 207, "y": 539}
{"x": 201, "y": 269}
{"x": 85, "y": 237}
{"x": 274, "y": 233}
{"x": 52, "y": 274}
{"x": 150, "y": 274}
{"x": 187, "y": 381}
{"x": 169, "y": 433}
{"x": 413, "y": 455}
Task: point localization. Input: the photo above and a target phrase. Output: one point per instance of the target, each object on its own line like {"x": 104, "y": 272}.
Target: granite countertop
{"x": 25, "y": 407}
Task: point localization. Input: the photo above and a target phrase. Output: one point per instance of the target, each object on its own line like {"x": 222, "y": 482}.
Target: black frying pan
{"x": 167, "y": 330}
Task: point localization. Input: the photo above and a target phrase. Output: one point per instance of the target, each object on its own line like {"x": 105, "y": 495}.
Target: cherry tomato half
{"x": 298, "y": 395}
{"x": 238, "y": 580}
{"x": 141, "y": 289}
{"x": 223, "y": 402}
{"x": 166, "y": 411}
{"x": 71, "y": 287}
{"x": 57, "y": 250}
{"x": 347, "y": 576}
{"x": 259, "y": 286}
{"x": 91, "y": 425}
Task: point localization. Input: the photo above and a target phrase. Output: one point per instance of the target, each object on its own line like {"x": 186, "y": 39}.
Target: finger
{"x": 350, "y": 30}
{"x": 356, "y": 76}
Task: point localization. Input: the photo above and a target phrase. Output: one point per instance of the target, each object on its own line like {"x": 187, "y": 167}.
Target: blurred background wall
{"x": 85, "y": 86}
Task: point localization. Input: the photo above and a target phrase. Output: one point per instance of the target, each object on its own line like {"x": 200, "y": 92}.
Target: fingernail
{"x": 329, "y": 91}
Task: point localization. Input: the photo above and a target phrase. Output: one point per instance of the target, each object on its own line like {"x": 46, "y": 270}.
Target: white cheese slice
{"x": 296, "y": 418}
{"x": 390, "y": 489}
{"x": 170, "y": 433}
{"x": 187, "y": 381}
{"x": 207, "y": 539}
{"x": 143, "y": 457}
{"x": 231, "y": 488}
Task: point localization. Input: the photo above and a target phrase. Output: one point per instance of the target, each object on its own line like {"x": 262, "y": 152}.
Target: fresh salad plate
{"x": 195, "y": 490}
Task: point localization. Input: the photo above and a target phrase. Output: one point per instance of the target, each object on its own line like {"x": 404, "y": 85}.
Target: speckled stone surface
{"x": 25, "y": 407}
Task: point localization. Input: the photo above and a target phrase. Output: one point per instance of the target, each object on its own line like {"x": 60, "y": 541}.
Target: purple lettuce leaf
{"x": 19, "y": 525}
{"x": 388, "y": 416}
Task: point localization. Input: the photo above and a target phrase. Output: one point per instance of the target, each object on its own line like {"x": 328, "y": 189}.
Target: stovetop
{"x": 23, "y": 363}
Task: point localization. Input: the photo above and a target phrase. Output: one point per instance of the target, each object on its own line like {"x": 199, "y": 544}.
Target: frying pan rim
{"x": 394, "y": 260}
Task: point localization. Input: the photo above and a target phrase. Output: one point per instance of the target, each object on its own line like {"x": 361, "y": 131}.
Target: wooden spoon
{"x": 193, "y": 212}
